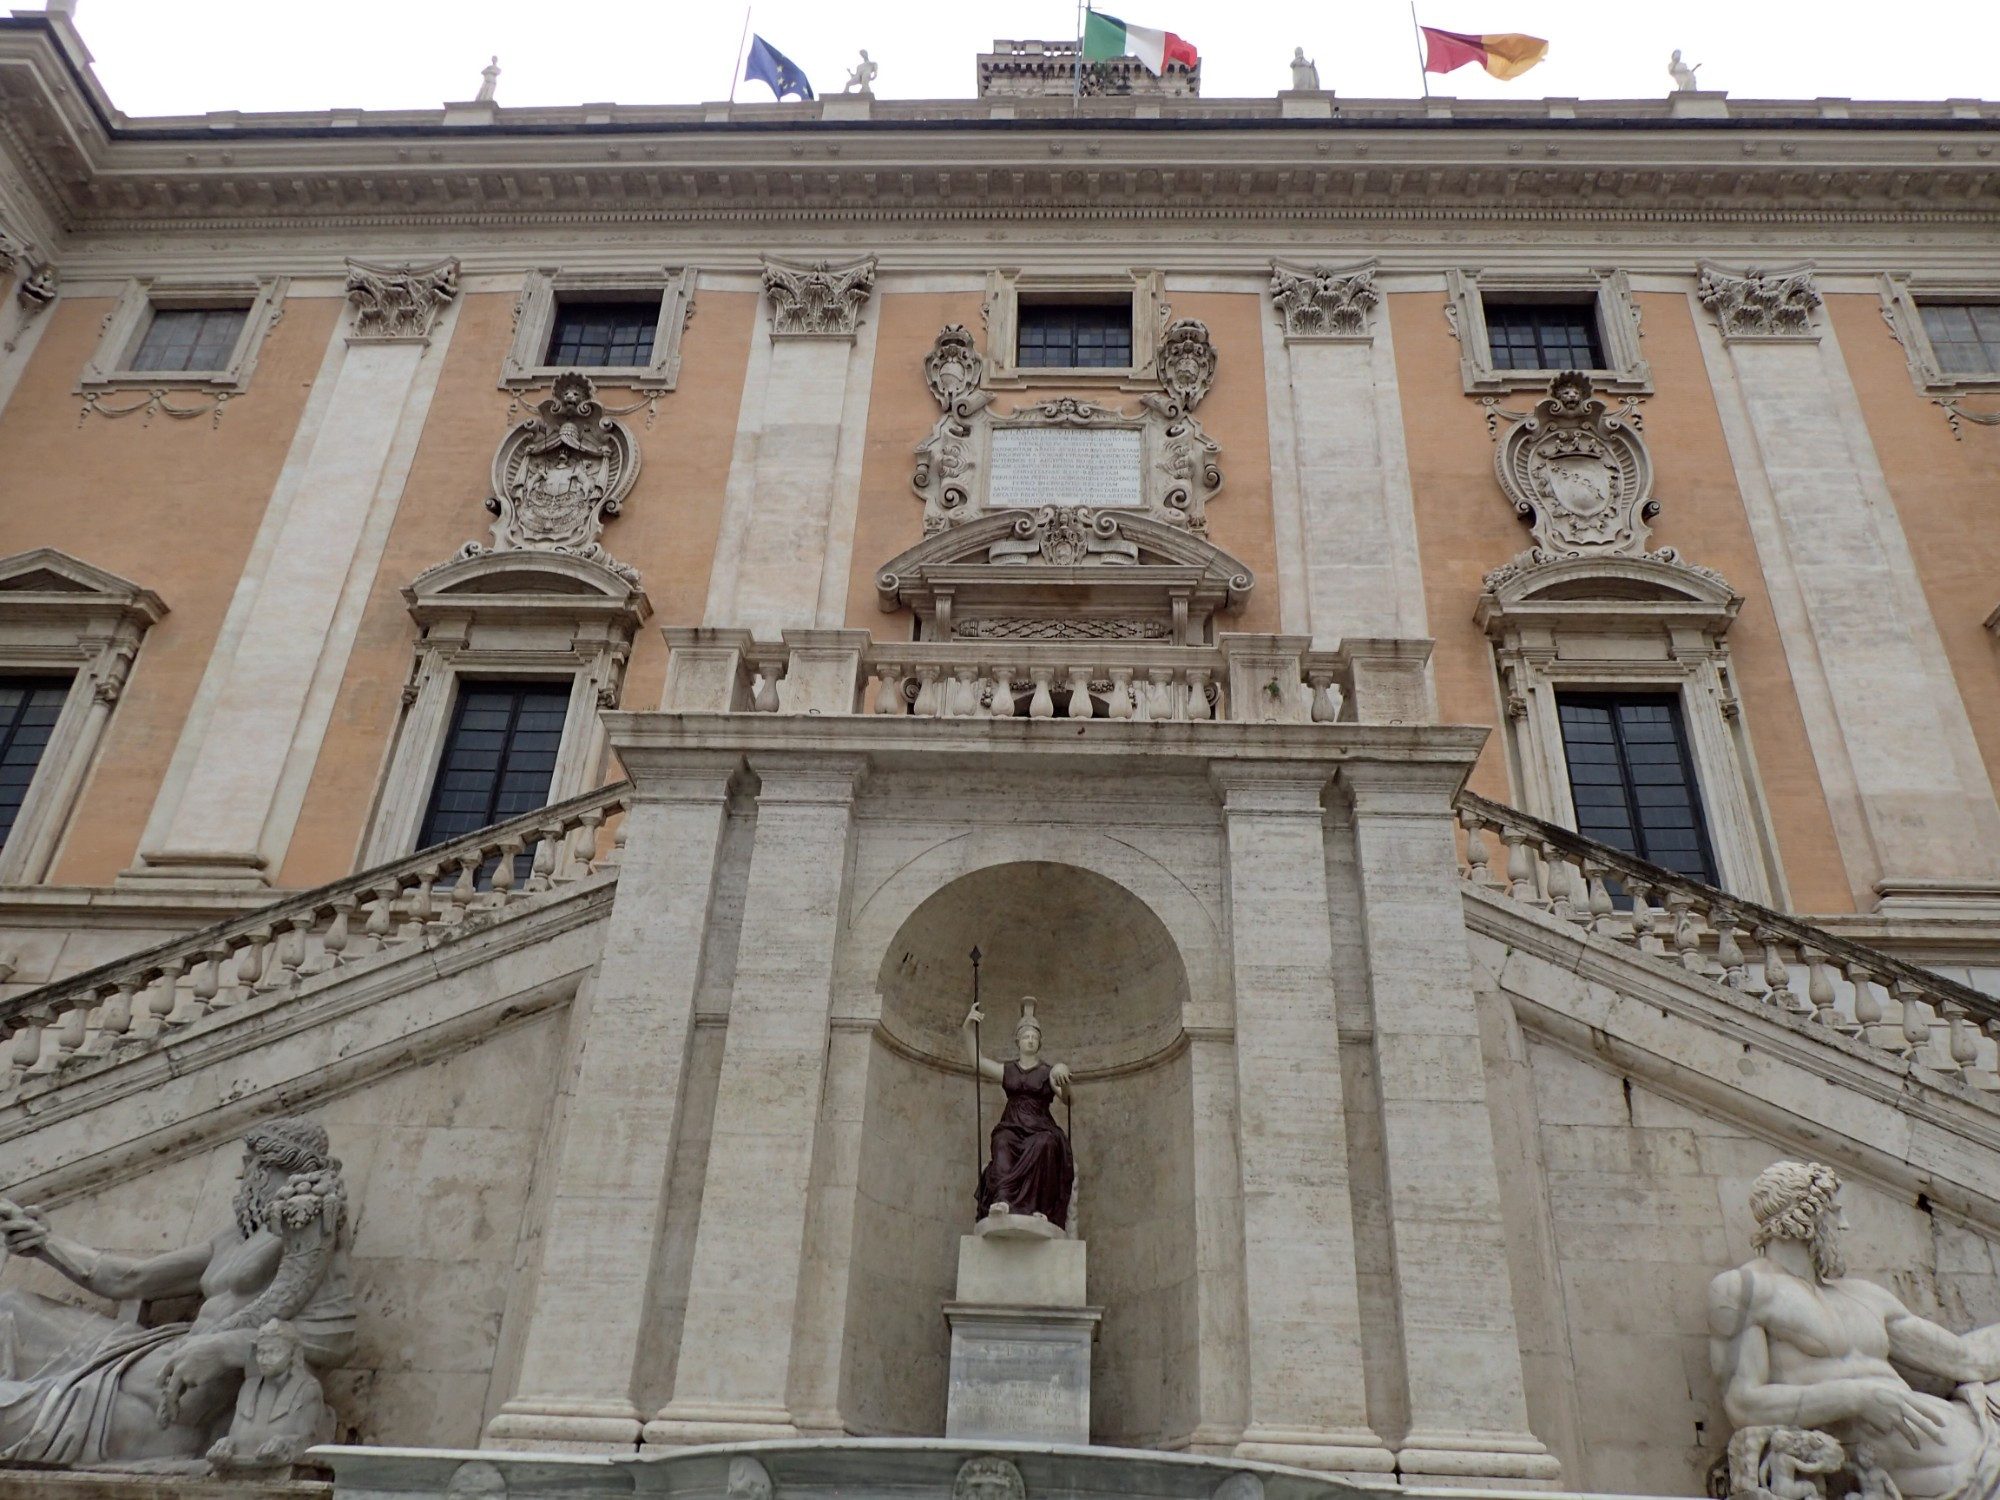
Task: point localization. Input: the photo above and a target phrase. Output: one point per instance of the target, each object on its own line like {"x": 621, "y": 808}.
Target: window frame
{"x": 60, "y": 615}
{"x": 461, "y": 681}
{"x": 1672, "y": 643}
{"x": 545, "y": 288}
{"x": 1903, "y": 300}
{"x": 1036, "y": 301}
{"x": 1608, "y": 292}
{"x": 111, "y": 366}
{"x": 1005, "y": 290}
{"x": 504, "y": 615}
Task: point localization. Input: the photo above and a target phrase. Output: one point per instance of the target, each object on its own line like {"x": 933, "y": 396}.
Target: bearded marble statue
{"x": 80, "y": 1389}
{"x": 1797, "y": 1343}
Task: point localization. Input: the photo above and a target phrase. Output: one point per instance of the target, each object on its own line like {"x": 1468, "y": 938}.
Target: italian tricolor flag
{"x": 1106, "y": 37}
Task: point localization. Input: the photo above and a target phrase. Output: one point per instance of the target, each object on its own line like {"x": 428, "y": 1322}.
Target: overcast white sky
{"x": 190, "y": 56}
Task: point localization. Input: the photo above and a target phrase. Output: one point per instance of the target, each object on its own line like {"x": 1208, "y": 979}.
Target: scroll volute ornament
{"x": 1578, "y": 473}
{"x": 1187, "y": 362}
{"x": 560, "y": 475}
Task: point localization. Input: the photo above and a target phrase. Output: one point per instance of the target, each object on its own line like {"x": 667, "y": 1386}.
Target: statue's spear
{"x": 978, "y": 1108}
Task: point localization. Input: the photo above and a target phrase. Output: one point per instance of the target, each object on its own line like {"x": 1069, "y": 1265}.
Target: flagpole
{"x": 1423, "y": 71}
{"x": 739, "y": 69}
{"x": 1076, "y": 75}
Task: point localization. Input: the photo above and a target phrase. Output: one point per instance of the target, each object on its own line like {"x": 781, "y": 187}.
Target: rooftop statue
{"x": 1797, "y": 1343}
{"x": 1029, "y": 1170}
{"x": 1305, "y": 75}
{"x": 489, "y": 81}
{"x": 1683, "y": 75}
{"x": 80, "y": 1389}
{"x": 861, "y": 77}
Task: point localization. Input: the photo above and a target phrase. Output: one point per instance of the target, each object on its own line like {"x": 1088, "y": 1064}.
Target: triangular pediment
{"x": 46, "y": 570}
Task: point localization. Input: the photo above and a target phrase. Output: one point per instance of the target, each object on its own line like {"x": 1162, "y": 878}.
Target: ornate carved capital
{"x": 821, "y": 300}
{"x": 1760, "y": 305}
{"x": 559, "y": 476}
{"x": 1187, "y": 362}
{"x": 1323, "y": 304}
{"x": 396, "y": 303}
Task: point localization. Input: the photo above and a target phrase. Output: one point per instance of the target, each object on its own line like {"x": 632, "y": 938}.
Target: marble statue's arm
{"x": 1923, "y": 1345}
{"x": 119, "y": 1278}
{"x": 983, "y": 1065}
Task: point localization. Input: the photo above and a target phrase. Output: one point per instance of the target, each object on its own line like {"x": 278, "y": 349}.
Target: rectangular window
{"x": 1965, "y": 336}
{"x": 498, "y": 758}
{"x": 603, "y": 335}
{"x": 189, "y": 338}
{"x": 28, "y": 710}
{"x": 1544, "y": 336}
{"x": 1632, "y": 779}
{"x": 1075, "y": 335}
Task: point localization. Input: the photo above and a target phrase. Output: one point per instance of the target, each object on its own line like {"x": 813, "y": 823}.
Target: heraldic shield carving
{"x": 560, "y": 475}
{"x": 1578, "y": 473}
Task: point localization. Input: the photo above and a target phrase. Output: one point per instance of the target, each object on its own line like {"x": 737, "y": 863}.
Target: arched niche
{"x": 1110, "y": 984}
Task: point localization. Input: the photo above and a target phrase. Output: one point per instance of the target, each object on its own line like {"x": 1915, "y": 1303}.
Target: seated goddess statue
{"x": 1029, "y": 1170}
{"x": 80, "y": 1389}
{"x": 1799, "y": 1344}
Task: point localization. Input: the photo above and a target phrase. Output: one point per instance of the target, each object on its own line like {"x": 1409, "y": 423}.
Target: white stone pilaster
{"x": 1307, "y": 1401}
{"x": 609, "y": 1205}
{"x": 232, "y": 795}
{"x": 794, "y": 484}
{"x": 1467, "y": 1405}
{"x": 734, "y": 1377}
{"x": 1907, "y": 789}
{"x": 1220, "y": 1379}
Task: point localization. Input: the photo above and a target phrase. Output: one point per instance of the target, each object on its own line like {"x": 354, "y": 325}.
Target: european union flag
{"x": 768, "y": 65}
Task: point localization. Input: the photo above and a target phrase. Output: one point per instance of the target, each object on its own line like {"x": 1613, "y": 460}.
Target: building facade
{"x": 1451, "y": 646}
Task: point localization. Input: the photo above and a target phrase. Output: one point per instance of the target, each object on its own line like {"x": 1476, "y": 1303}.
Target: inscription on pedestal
{"x": 1009, "y": 1385}
{"x": 1037, "y": 466}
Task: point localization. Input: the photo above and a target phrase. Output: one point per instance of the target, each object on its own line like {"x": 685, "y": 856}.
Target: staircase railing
{"x": 132, "y": 1001}
{"x": 1848, "y": 988}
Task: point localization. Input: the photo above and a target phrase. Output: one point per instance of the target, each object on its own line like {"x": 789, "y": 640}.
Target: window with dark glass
{"x": 498, "y": 758}
{"x": 1632, "y": 779}
{"x": 190, "y": 338}
{"x": 28, "y": 710}
{"x": 1965, "y": 336}
{"x": 1074, "y": 335}
{"x": 603, "y": 335}
{"x": 1544, "y": 336}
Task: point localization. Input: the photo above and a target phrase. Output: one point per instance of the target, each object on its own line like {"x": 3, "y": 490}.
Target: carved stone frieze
{"x": 1760, "y": 305}
{"x": 396, "y": 303}
{"x": 1065, "y": 536}
{"x": 1187, "y": 362}
{"x": 1323, "y": 304}
{"x": 821, "y": 300}
{"x": 1007, "y": 628}
{"x": 560, "y": 475}
{"x": 988, "y": 1478}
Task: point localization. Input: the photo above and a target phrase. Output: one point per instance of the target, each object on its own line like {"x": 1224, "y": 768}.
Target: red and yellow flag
{"x": 1507, "y": 54}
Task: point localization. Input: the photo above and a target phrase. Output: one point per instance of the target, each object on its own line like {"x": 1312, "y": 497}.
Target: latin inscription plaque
{"x": 1095, "y": 466}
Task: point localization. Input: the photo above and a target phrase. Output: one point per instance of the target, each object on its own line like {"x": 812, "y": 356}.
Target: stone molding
{"x": 821, "y": 300}
{"x": 1001, "y": 313}
{"x": 1609, "y": 292}
{"x": 58, "y": 612}
{"x": 1768, "y": 306}
{"x": 109, "y": 368}
{"x": 1325, "y": 306}
{"x": 543, "y": 288}
{"x": 1902, "y": 299}
{"x": 399, "y": 304}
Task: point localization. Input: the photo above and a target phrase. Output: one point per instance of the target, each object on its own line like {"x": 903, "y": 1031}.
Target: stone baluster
{"x": 1687, "y": 930}
{"x": 418, "y": 913}
{"x": 503, "y": 873}
{"x": 25, "y": 1051}
{"x": 290, "y": 953}
{"x": 379, "y": 930}
{"x": 164, "y": 1006}
{"x": 1569, "y": 896}
{"x": 1156, "y": 695}
{"x": 1198, "y": 708}
{"x": 1728, "y": 952}
{"x": 1604, "y": 919}
{"x": 616, "y": 858}
{"x": 929, "y": 702}
{"x": 1963, "y": 1044}
{"x": 250, "y": 964}
{"x": 1777, "y": 976}
{"x": 1916, "y": 1025}
{"x": 335, "y": 940}
{"x": 1121, "y": 705}
{"x": 765, "y": 700}
{"x": 208, "y": 992}
{"x": 1324, "y": 710}
{"x": 1520, "y": 866}
{"x": 1867, "y": 1008}
{"x": 464, "y": 891}
{"x": 1003, "y": 693}
{"x": 585, "y": 846}
{"x": 1476, "y": 854}
{"x": 64, "y": 1041}
{"x": 541, "y": 869}
{"x": 113, "y": 1017}
{"x": 1043, "y": 704}
{"x": 888, "y": 688}
{"x": 1643, "y": 937}
{"x": 1819, "y": 986}
{"x": 1080, "y": 706}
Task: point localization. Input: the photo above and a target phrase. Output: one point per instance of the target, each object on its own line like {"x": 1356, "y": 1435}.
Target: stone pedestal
{"x": 1020, "y": 1336}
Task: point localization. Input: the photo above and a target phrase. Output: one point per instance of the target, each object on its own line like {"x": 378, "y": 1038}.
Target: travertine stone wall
{"x": 439, "y": 1167}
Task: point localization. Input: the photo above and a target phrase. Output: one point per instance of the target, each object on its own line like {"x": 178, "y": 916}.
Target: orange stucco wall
{"x": 172, "y": 505}
{"x": 901, "y": 412}
{"x": 1945, "y": 490}
{"x": 1465, "y": 528}
{"x": 666, "y": 530}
